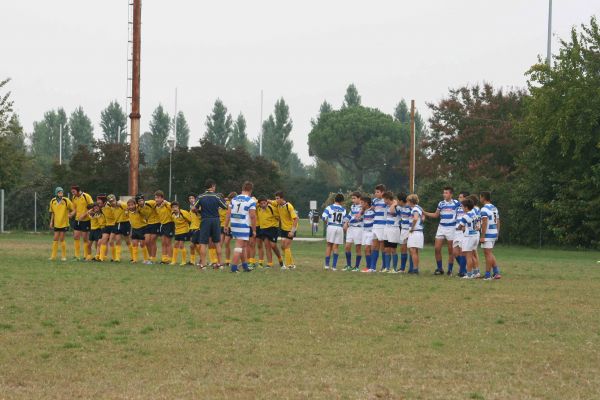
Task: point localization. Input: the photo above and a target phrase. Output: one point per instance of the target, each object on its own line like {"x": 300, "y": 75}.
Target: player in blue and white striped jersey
{"x": 354, "y": 230}
{"x": 458, "y": 236}
{"x": 415, "y": 233}
{"x": 391, "y": 233}
{"x": 334, "y": 216}
{"x": 241, "y": 221}
{"x": 469, "y": 225}
{"x": 490, "y": 226}
{"x": 368, "y": 216}
{"x": 404, "y": 228}
{"x": 379, "y": 223}
{"x": 446, "y": 211}
{"x": 476, "y": 209}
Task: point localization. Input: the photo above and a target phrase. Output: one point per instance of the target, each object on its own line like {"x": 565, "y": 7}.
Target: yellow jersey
{"x": 287, "y": 215}
{"x": 164, "y": 212}
{"x": 98, "y": 221}
{"x": 267, "y": 217}
{"x": 149, "y": 212}
{"x": 121, "y": 213}
{"x": 80, "y": 204}
{"x": 182, "y": 222}
{"x": 60, "y": 210}
{"x": 196, "y": 219}
{"x": 109, "y": 215}
{"x": 223, "y": 213}
{"x": 136, "y": 219}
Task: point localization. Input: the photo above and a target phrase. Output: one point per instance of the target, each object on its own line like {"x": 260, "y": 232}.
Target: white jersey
{"x": 417, "y": 210}
{"x": 380, "y": 209}
{"x": 334, "y": 215}
{"x": 368, "y": 217}
{"x": 240, "y": 215}
{"x": 490, "y": 212}
{"x": 352, "y": 217}
{"x": 447, "y": 211}
{"x": 470, "y": 221}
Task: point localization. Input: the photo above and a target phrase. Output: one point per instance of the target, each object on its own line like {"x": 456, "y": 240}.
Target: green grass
{"x": 77, "y": 330}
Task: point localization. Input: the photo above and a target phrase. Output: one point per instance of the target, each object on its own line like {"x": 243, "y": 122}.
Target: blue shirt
{"x": 447, "y": 211}
{"x": 209, "y": 203}
{"x": 490, "y": 212}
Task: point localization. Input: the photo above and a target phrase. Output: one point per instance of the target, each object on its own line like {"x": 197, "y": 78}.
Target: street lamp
{"x": 171, "y": 143}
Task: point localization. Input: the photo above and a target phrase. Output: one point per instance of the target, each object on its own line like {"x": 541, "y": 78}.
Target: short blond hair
{"x": 412, "y": 198}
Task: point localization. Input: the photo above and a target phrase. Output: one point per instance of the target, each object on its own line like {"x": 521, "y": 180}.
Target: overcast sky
{"x": 72, "y": 52}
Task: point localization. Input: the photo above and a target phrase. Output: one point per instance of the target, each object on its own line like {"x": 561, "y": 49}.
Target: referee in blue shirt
{"x": 208, "y": 204}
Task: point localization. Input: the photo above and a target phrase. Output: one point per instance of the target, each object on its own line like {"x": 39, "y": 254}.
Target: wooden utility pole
{"x": 411, "y": 168}
{"x": 134, "y": 146}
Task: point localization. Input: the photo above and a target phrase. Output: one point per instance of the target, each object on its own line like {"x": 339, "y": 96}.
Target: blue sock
{"x": 358, "y": 258}
{"x": 245, "y": 266}
{"x": 411, "y": 266}
{"x": 327, "y": 261}
{"x": 234, "y": 268}
{"x": 335, "y": 258}
{"x": 462, "y": 262}
{"x": 374, "y": 257}
{"x": 387, "y": 258}
{"x": 403, "y": 259}
{"x": 395, "y": 261}
{"x": 450, "y": 266}
{"x": 488, "y": 274}
{"x": 439, "y": 264}
{"x": 496, "y": 270}
{"x": 368, "y": 257}
{"x": 348, "y": 258}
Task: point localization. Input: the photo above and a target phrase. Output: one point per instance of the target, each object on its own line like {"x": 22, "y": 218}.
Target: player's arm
{"x": 227, "y": 219}
{"x": 484, "y": 226}
{"x": 294, "y": 222}
{"x": 435, "y": 214}
{"x": 222, "y": 203}
{"x": 252, "y": 214}
{"x": 415, "y": 219}
{"x": 51, "y": 220}
{"x": 325, "y": 215}
{"x": 186, "y": 215}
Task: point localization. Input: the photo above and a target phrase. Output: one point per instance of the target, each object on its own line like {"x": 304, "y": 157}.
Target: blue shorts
{"x": 210, "y": 229}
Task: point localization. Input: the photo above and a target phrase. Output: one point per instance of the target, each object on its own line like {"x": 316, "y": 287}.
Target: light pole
{"x": 60, "y": 128}
{"x": 171, "y": 143}
{"x": 549, "y": 50}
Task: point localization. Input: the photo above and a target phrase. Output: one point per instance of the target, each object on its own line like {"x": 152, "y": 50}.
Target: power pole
{"x": 411, "y": 168}
{"x": 260, "y": 134}
{"x": 549, "y": 50}
{"x": 134, "y": 146}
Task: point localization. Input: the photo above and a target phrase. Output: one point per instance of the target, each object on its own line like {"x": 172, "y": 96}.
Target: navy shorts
{"x": 83, "y": 226}
{"x": 95, "y": 235}
{"x": 228, "y": 234}
{"x": 268, "y": 233}
{"x": 210, "y": 229}
{"x": 153, "y": 229}
{"x": 109, "y": 229}
{"x": 66, "y": 228}
{"x": 284, "y": 235}
{"x": 123, "y": 228}
{"x": 167, "y": 230}
{"x": 184, "y": 237}
{"x": 195, "y": 236}
{"x": 138, "y": 234}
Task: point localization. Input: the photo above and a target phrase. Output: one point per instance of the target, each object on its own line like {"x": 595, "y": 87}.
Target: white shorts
{"x": 392, "y": 234}
{"x": 354, "y": 235}
{"x": 458, "y": 237}
{"x": 403, "y": 236}
{"x": 469, "y": 243}
{"x": 378, "y": 234}
{"x": 367, "y": 238}
{"x": 445, "y": 232}
{"x": 335, "y": 234}
{"x": 415, "y": 239}
{"x": 488, "y": 244}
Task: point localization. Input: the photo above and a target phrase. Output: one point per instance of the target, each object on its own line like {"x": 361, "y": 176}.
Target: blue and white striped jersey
{"x": 490, "y": 212}
{"x": 240, "y": 215}
{"x": 353, "y": 218}
{"x": 368, "y": 218}
{"x": 405, "y": 217}
{"x": 334, "y": 215}
{"x": 460, "y": 211}
{"x": 380, "y": 209}
{"x": 470, "y": 222}
{"x": 419, "y": 212}
{"x": 448, "y": 212}
{"x": 393, "y": 216}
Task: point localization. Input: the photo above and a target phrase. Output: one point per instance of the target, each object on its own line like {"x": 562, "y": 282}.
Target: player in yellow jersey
{"x": 267, "y": 231}
{"x": 288, "y": 225}
{"x": 181, "y": 221}
{"x": 167, "y": 227}
{"x": 148, "y": 209}
{"x": 60, "y": 207}
{"x": 226, "y": 235}
{"x": 81, "y": 221}
{"x": 194, "y": 234}
{"x": 111, "y": 223}
{"x": 97, "y": 222}
{"x": 138, "y": 232}
{"x": 122, "y": 227}
{"x": 106, "y": 211}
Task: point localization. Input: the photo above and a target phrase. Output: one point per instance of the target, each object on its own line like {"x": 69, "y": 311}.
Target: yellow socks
{"x": 146, "y": 254}
{"x": 54, "y": 250}
{"x": 130, "y": 247}
{"x": 183, "y": 256}
{"x": 77, "y": 247}
{"x": 118, "y": 252}
{"x": 212, "y": 254}
{"x": 261, "y": 262}
{"x": 113, "y": 252}
{"x": 134, "y": 253}
{"x": 288, "y": 257}
{"x": 193, "y": 258}
{"x": 251, "y": 260}
{"x": 63, "y": 250}
{"x": 175, "y": 255}
{"x": 103, "y": 251}
{"x": 86, "y": 250}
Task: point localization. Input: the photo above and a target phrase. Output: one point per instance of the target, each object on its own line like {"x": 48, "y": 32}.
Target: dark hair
{"x": 247, "y": 186}
{"x": 465, "y": 193}
{"x": 402, "y": 197}
{"x": 468, "y": 203}
{"x": 279, "y": 193}
{"x": 338, "y": 198}
{"x": 357, "y": 194}
{"x": 160, "y": 193}
{"x": 232, "y": 195}
{"x": 367, "y": 200}
{"x": 449, "y": 188}
{"x": 380, "y": 187}
{"x": 175, "y": 203}
{"x": 474, "y": 199}
{"x": 487, "y": 195}
{"x": 76, "y": 187}
{"x": 209, "y": 183}
{"x": 191, "y": 195}
{"x": 388, "y": 196}
{"x": 262, "y": 198}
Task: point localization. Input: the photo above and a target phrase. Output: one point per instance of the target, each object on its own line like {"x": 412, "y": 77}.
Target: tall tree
{"x": 113, "y": 122}
{"x": 323, "y": 109}
{"x": 45, "y": 137}
{"x": 219, "y": 125}
{"x": 5, "y": 106}
{"x": 154, "y": 142}
{"x": 182, "y": 138}
{"x": 352, "y": 98}
{"x": 12, "y": 148}
{"x": 239, "y": 138}
{"x": 81, "y": 129}
{"x": 277, "y": 145}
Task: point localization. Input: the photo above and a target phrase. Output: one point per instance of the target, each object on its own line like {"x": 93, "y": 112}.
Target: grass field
{"x": 77, "y": 330}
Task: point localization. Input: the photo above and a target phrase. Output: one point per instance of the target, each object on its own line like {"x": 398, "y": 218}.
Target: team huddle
{"x": 383, "y": 223}
{"x": 209, "y": 222}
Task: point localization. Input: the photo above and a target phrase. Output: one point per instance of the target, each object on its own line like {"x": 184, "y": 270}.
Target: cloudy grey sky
{"x": 73, "y": 52}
